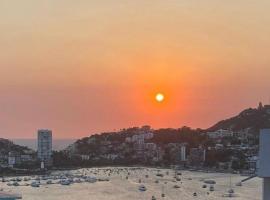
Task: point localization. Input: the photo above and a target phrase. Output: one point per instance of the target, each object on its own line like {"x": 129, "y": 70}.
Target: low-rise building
{"x": 13, "y": 159}
{"x": 197, "y": 156}
{"x": 220, "y": 134}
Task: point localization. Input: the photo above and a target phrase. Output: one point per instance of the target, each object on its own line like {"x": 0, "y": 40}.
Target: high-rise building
{"x": 183, "y": 153}
{"x": 45, "y": 146}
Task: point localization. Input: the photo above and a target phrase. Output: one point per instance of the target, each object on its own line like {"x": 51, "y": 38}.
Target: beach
{"x": 125, "y": 183}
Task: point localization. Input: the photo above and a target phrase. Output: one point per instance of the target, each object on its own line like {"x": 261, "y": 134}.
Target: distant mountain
{"x": 58, "y": 144}
{"x": 252, "y": 118}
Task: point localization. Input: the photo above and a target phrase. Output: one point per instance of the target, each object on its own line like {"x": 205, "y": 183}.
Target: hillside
{"x": 7, "y": 146}
{"x": 252, "y": 118}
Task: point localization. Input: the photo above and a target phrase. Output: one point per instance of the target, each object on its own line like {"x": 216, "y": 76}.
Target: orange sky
{"x": 81, "y": 67}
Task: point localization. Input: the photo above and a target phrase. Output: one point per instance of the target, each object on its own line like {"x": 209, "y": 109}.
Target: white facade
{"x": 11, "y": 161}
{"x": 45, "y": 146}
{"x": 183, "y": 153}
{"x": 220, "y": 134}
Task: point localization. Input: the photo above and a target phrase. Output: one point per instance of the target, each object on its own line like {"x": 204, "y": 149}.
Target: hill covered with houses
{"x": 234, "y": 140}
{"x": 229, "y": 144}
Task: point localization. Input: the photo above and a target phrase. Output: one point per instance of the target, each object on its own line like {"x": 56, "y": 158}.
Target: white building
{"x": 220, "y": 134}
{"x": 183, "y": 153}
{"x": 13, "y": 159}
{"x": 45, "y": 146}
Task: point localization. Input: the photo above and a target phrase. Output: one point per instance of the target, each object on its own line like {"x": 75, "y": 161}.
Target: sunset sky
{"x": 80, "y": 67}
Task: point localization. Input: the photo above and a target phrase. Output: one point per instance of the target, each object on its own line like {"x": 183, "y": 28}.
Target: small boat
{"x": 9, "y": 196}
{"x": 65, "y": 182}
{"x": 160, "y": 175}
{"x": 239, "y": 184}
{"x": 211, "y": 188}
{"x": 26, "y": 179}
{"x": 142, "y": 188}
{"x": 230, "y": 191}
{"x": 35, "y": 184}
{"x": 210, "y": 182}
{"x": 16, "y": 184}
{"x": 91, "y": 180}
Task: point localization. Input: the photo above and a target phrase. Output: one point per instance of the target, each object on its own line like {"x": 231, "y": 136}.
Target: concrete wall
{"x": 264, "y": 154}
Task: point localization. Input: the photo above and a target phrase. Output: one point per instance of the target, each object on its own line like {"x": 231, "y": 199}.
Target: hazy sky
{"x": 85, "y": 66}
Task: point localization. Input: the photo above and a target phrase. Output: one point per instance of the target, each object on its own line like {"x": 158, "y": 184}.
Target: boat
{"x": 26, "y": 179}
{"x": 160, "y": 175}
{"x": 91, "y": 179}
{"x": 239, "y": 184}
{"x": 231, "y": 191}
{"x": 35, "y": 184}
{"x": 210, "y": 182}
{"x": 176, "y": 186}
{"x": 16, "y": 184}
{"x": 142, "y": 188}
{"x": 65, "y": 182}
{"x": 8, "y": 196}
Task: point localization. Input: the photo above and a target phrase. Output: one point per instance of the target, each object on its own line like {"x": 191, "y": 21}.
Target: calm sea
{"x": 58, "y": 144}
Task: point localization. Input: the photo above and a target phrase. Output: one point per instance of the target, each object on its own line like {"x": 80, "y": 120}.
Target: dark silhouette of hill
{"x": 252, "y": 118}
{"x": 7, "y": 146}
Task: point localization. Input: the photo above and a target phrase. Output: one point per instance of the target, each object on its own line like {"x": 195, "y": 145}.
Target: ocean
{"x": 58, "y": 144}
{"x": 120, "y": 188}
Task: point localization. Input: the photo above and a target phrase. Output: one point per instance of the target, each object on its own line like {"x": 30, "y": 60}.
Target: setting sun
{"x": 159, "y": 97}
